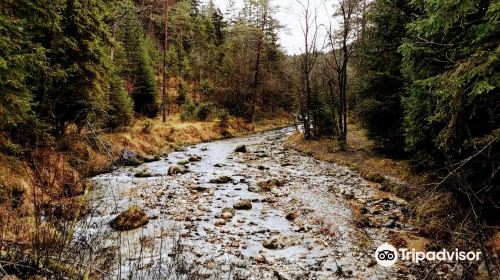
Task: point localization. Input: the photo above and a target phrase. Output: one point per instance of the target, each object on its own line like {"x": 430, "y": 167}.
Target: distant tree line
{"x": 100, "y": 63}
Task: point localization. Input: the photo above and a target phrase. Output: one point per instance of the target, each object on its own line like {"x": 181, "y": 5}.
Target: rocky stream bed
{"x": 264, "y": 212}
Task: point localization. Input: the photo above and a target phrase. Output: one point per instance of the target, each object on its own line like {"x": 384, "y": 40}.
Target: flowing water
{"x": 186, "y": 232}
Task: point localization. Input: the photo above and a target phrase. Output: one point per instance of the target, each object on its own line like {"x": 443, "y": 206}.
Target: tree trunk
{"x": 165, "y": 58}
{"x": 256, "y": 80}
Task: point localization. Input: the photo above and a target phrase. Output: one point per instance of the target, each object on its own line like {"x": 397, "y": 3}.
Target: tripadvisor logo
{"x": 386, "y": 255}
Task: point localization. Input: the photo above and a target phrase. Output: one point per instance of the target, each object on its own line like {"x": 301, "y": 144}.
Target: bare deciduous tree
{"x": 340, "y": 43}
{"x": 310, "y": 55}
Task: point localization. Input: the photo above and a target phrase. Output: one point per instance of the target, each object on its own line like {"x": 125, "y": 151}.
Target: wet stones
{"x": 280, "y": 241}
{"x": 227, "y": 216}
{"x": 221, "y": 180}
{"x": 280, "y": 275}
{"x": 241, "y": 149}
{"x": 151, "y": 158}
{"x": 228, "y": 213}
{"x": 243, "y": 204}
{"x": 270, "y": 184}
{"x": 219, "y": 222}
{"x": 260, "y": 259}
{"x": 130, "y": 219}
{"x": 129, "y": 158}
{"x": 229, "y": 210}
{"x": 254, "y": 189}
{"x": 145, "y": 173}
{"x": 175, "y": 169}
{"x": 347, "y": 194}
{"x": 200, "y": 189}
{"x": 194, "y": 158}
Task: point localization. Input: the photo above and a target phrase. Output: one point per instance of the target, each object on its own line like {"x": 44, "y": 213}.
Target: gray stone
{"x": 243, "y": 204}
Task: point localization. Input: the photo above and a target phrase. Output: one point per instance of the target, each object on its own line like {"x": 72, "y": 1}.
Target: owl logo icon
{"x": 386, "y": 255}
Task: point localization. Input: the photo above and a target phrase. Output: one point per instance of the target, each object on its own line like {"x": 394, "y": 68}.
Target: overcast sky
{"x": 291, "y": 37}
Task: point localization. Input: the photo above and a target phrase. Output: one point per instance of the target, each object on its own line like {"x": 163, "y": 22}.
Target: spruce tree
{"x": 380, "y": 83}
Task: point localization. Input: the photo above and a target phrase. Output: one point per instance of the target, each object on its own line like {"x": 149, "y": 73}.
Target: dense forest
{"x": 420, "y": 76}
{"x": 102, "y": 62}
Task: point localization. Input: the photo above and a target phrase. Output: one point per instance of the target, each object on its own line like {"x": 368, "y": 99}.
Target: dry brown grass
{"x": 358, "y": 156}
{"x": 150, "y": 137}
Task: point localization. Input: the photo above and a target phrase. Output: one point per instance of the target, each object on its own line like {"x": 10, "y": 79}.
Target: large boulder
{"x": 243, "y": 204}
{"x": 175, "y": 169}
{"x": 130, "y": 219}
{"x": 129, "y": 158}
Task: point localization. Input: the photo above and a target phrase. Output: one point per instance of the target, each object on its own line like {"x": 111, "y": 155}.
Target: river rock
{"x": 270, "y": 184}
{"x": 241, "y": 149}
{"x": 175, "y": 169}
{"x": 143, "y": 174}
{"x": 260, "y": 259}
{"x": 221, "y": 180}
{"x": 243, "y": 204}
{"x": 227, "y": 215}
{"x": 151, "y": 158}
{"x": 280, "y": 275}
{"x": 229, "y": 210}
{"x": 279, "y": 242}
{"x": 276, "y": 192}
{"x": 253, "y": 189}
{"x": 219, "y": 222}
{"x": 194, "y": 158}
{"x": 130, "y": 219}
{"x": 292, "y": 215}
{"x": 129, "y": 158}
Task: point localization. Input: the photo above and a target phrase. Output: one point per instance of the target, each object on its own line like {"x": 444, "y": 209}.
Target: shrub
{"x": 204, "y": 111}
{"x": 188, "y": 109}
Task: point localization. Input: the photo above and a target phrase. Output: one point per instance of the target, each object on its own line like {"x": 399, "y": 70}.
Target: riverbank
{"x": 151, "y": 137}
{"x": 433, "y": 213}
{"x": 51, "y": 181}
{"x": 383, "y": 172}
